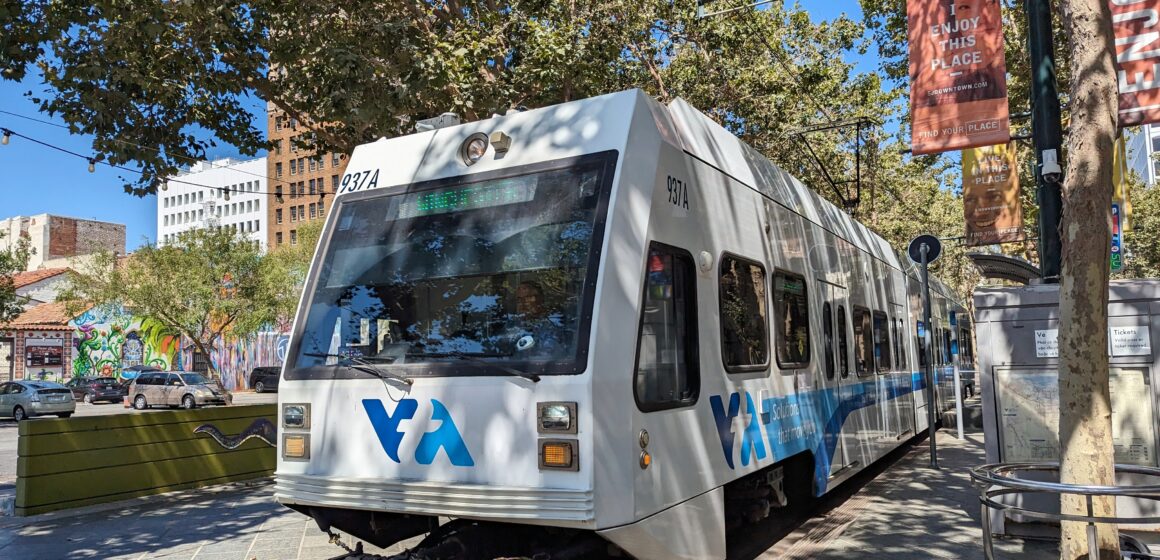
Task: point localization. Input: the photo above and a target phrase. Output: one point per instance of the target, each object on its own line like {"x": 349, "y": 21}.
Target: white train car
{"x": 603, "y": 322}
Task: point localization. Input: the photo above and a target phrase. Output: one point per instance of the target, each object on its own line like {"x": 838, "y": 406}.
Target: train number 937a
{"x": 678, "y": 193}
{"x": 359, "y": 180}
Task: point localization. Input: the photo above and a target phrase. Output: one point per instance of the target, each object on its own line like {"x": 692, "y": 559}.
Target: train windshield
{"x": 460, "y": 278}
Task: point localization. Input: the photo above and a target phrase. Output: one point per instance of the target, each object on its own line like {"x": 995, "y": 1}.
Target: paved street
{"x": 9, "y": 431}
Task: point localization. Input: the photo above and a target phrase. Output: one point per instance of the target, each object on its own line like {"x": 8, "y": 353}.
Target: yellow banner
{"x": 991, "y": 203}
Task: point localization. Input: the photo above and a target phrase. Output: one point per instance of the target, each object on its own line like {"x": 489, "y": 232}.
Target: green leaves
{"x": 13, "y": 259}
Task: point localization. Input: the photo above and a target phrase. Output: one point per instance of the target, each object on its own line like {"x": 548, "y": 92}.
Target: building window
{"x": 278, "y": 237}
{"x": 278, "y": 193}
{"x": 278, "y": 169}
{"x": 293, "y": 167}
{"x": 321, "y": 212}
{"x": 301, "y": 211}
{"x": 321, "y": 162}
{"x": 313, "y": 165}
{"x": 313, "y": 211}
{"x": 334, "y": 183}
{"x": 278, "y": 216}
{"x": 792, "y": 313}
{"x": 334, "y": 160}
{"x": 277, "y": 123}
{"x": 744, "y": 339}
{"x": 201, "y": 196}
{"x": 312, "y": 187}
{"x": 302, "y": 165}
{"x": 293, "y": 214}
{"x": 293, "y": 237}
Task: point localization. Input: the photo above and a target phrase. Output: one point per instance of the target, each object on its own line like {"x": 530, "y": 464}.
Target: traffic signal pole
{"x": 1047, "y": 133}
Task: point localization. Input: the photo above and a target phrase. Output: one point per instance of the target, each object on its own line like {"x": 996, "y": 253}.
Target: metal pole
{"x": 923, "y": 250}
{"x": 1047, "y": 132}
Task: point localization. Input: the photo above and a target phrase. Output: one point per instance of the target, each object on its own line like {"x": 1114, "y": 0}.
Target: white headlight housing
{"x": 296, "y": 416}
{"x": 556, "y": 417}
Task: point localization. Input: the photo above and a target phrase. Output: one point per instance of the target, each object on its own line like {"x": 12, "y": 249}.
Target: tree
{"x": 284, "y": 272}
{"x": 157, "y": 85}
{"x": 1143, "y": 259}
{"x": 13, "y": 259}
{"x": 205, "y": 285}
{"x": 1085, "y": 420}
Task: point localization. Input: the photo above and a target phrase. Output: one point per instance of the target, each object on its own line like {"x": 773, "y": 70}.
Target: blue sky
{"x": 36, "y": 180}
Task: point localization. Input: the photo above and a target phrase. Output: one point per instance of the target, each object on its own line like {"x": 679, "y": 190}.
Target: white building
{"x": 184, "y": 206}
{"x": 1143, "y": 143}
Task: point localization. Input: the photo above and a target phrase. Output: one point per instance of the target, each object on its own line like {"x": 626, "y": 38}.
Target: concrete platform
{"x": 910, "y": 511}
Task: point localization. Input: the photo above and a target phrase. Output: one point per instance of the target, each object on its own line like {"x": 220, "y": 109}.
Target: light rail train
{"x": 603, "y": 327}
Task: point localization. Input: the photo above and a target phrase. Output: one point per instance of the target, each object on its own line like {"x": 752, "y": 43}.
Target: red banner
{"x": 958, "y": 88}
{"x": 1136, "y": 24}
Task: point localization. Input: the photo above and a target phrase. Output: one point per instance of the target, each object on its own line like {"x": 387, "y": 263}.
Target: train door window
{"x": 744, "y": 338}
{"x": 863, "y": 342}
{"x": 843, "y": 343}
{"x": 828, "y": 336}
{"x": 667, "y": 373}
{"x": 882, "y": 341}
{"x": 900, "y": 343}
{"x": 792, "y": 313}
{"x": 965, "y": 347}
{"x": 920, "y": 340}
{"x": 948, "y": 358}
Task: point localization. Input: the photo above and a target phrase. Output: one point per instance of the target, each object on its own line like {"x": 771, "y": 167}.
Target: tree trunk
{"x": 1085, "y": 419}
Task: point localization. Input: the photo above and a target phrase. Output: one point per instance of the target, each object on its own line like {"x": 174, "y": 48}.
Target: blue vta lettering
{"x": 751, "y": 442}
{"x": 445, "y": 437}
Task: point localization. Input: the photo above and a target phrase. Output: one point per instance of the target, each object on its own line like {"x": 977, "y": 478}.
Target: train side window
{"x": 947, "y": 357}
{"x": 744, "y": 320}
{"x": 920, "y": 340}
{"x": 667, "y": 372}
{"x": 828, "y": 337}
{"x": 899, "y": 347}
{"x": 966, "y": 349}
{"x": 882, "y": 347}
{"x": 863, "y": 342}
{"x": 792, "y": 313}
{"x": 843, "y": 343}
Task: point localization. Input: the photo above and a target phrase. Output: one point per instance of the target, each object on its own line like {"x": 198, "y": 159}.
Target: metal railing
{"x": 1000, "y": 479}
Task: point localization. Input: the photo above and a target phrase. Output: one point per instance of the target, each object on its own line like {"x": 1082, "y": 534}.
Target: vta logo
{"x": 751, "y": 442}
{"x": 445, "y": 437}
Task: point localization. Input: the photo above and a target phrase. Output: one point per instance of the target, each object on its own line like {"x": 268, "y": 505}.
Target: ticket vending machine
{"x": 1016, "y": 334}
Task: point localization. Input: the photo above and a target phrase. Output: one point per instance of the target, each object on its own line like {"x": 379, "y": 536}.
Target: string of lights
{"x": 6, "y": 134}
{"x": 152, "y": 149}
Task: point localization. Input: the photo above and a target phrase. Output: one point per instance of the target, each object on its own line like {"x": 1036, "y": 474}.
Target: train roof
{"x": 605, "y": 123}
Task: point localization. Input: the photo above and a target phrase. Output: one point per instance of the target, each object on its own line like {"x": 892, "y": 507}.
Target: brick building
{"x": 59, "y": 240}
{"x": 301, "y": 182}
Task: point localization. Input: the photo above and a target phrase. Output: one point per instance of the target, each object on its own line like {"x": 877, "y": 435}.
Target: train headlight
{"x": 556, "y": 417}
{"x": 559, "y": 455}
{"x": 296, "y": 446}
{"x": 473, "y": 148}
{"x": 296, "y": 416}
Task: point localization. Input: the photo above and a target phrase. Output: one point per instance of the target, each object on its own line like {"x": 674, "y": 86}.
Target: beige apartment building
{"x": 301, "y": 182}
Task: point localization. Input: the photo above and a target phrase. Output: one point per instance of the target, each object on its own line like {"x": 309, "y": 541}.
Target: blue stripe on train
{"x": 791, "y": 422}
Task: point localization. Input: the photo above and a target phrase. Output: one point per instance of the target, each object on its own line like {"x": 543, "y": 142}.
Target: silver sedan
{"x": 21, "y": 400}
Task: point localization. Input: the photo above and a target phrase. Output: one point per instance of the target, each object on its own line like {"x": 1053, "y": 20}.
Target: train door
{"x": 666, "y": 379}
{"x": 836, "y": 377}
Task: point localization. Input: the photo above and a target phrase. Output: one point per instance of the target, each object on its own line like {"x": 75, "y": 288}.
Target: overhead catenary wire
{"x": 92, "y": 161}
{"x": 152, "y": 149}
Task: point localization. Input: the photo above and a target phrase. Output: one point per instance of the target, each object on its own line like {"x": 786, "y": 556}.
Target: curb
{"x": 153, "y": 501}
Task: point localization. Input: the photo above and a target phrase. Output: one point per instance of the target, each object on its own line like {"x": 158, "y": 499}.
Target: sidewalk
{"x": 911, "y": 511}
{"x": 230, "y": 522}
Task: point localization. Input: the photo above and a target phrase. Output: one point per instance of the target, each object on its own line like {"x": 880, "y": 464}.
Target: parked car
{"x": 264, "y": 379}
{"x": 97, "y": 389}
{"x": 176, "y": 388}
{"x": 21, "y": 400}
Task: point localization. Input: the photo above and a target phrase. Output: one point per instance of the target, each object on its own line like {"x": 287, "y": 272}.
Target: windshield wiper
{"x": 474, "y": 358}
{"x": 365, "y": 365}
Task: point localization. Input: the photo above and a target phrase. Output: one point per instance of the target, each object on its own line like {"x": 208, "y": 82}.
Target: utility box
{"x": 1016, "y": 334}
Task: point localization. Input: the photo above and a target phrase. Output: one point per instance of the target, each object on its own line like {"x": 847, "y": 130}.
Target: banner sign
{"x": 1135, "y": 24}
{"x": 991, "y": 203}
{"x": 1117, "y": 258}
{"x": 1121, "y": 204}
{"x": 958, "y": 88}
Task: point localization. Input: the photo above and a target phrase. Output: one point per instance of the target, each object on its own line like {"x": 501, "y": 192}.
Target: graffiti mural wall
{"x": 108, "y": 341}
{"x": 234, "y": 359}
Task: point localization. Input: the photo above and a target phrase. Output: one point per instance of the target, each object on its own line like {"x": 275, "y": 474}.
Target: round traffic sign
{"x": 933, "y": 248}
